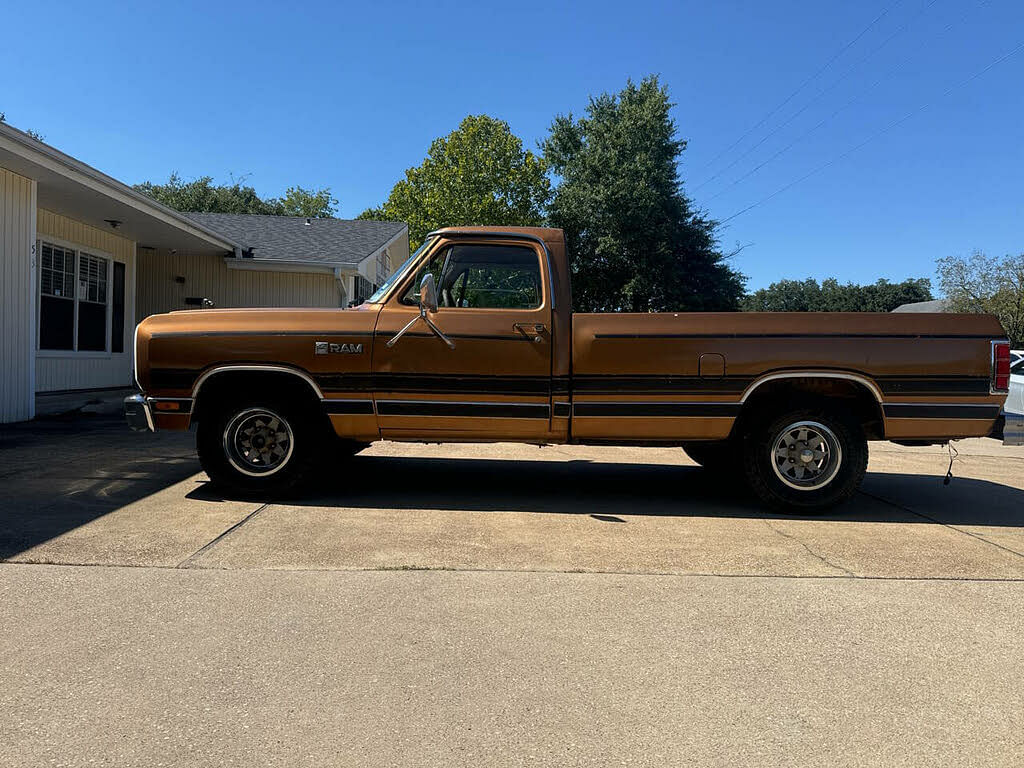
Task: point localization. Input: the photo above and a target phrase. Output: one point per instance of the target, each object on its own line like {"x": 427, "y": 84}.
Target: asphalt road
{"x": 503, "y": 605}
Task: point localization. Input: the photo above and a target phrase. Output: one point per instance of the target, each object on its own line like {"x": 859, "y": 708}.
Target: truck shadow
{"x": 61, "y": 474}
{"x": 608, "y": 491}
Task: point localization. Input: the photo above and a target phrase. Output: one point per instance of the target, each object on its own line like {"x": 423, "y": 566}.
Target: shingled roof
{"x": 330, "y": 242}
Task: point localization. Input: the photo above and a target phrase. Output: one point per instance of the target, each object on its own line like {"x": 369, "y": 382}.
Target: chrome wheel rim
{"x": 806, "y": 455}
{"x": 258, "y": 442}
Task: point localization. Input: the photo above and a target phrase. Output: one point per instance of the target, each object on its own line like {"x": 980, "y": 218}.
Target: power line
{"x": 804, "y": 84}
{"x": 826, "y": 120}
{"x": 846, "y": 73}
{"x": 886, "y": 129}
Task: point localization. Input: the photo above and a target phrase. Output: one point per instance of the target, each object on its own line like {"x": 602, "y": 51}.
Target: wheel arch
{"x": 794, "y": 387}
{"x": 222, "y": 379}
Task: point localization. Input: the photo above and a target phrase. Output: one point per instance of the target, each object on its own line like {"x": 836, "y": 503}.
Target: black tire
{"x": 233, "y": 438}
{"x": 810, "y": 471}
{"x": 713, "y": 455}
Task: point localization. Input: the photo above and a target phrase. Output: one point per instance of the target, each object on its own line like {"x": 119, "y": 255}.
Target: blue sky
{"x": 349, "y": 95}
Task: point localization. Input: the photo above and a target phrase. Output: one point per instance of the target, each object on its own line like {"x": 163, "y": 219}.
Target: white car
{"x": 1016, "y": 355}
{"x": 1015, "y": 400}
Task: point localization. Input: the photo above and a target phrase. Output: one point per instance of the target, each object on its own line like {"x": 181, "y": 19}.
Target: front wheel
{"x": 805, "y": 460}
{"x": 261, "y": 446}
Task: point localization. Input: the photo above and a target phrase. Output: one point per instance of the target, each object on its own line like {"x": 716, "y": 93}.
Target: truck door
{"x": 494, "y": 382}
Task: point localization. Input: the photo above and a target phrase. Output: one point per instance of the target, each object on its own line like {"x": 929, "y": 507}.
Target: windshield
{"x": 398, "y": 273}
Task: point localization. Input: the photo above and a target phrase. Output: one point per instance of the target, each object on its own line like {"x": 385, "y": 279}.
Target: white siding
{"x": 56, "y": 371}
{"x": 207, "y": 276}
{"x": 17, "y": 296}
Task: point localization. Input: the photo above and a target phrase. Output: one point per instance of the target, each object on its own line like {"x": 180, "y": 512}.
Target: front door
{"x": 493, "y": 305}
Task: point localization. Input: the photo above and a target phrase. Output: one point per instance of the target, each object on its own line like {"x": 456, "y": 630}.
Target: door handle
{"x": 532, "y": 331}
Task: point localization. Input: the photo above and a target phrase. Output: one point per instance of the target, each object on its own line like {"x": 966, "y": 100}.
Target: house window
{"x": 383, "y": 268}
{"x": 92, "y": 303}
{"x": 57, "y": 298}
{"x": 74, "y": 299}
{"x": 363, "y": 289}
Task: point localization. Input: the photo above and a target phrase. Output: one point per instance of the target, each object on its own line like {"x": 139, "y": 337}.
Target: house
{"x": 936, "y": 305}
{"x": 84, "y": 257}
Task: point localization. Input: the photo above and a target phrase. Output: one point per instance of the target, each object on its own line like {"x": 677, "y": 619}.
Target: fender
{"x": 266, "y": 368}
{"x": 812, "y": 374}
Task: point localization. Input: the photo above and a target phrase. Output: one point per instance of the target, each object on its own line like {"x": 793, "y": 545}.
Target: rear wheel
{"x": 258, "y": 446}
{"x": 805, "y": 460}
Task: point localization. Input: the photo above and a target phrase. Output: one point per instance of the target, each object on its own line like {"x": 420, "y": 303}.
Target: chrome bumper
{"x": 1013, "y": 428}
{"x": 138, "y": 414}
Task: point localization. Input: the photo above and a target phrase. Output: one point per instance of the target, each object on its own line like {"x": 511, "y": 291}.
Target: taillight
{"x": 1000, "y": 366}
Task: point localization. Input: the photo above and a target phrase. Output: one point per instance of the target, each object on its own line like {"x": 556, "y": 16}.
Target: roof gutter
{"x": 21, "y": 143}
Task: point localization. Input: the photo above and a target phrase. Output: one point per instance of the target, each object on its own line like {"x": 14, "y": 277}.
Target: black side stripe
{"x": 685, "y": 410}
{"x": 437, "y": 383}
{"x": 669, "y": 385}
{"x": 348, "y": 407}
{"x": 790, "y": 336}
{"x": 965, "y": 386}
{"x": 610, "y": 384}
{"x": 173, "y": 378}
{"x": 334, "y": 334}
{"x": 385, "y": 335}
{"x": 931, "y": 411}
{"x": 562, "y": 410}
{"x": 480, "y": 410}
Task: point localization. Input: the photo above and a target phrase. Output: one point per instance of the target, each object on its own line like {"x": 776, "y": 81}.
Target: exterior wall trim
{"x": 273, "y": 265}
{"x": 22, "y": 144}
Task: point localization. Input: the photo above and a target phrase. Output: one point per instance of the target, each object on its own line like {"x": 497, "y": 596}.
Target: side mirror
{"x": 428, "y": 293}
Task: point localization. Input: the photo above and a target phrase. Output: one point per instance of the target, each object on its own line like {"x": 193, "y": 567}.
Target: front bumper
{"x": 138, "y": 413}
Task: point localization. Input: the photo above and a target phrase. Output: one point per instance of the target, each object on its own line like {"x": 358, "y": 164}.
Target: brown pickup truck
{"x": 474, "y": 339}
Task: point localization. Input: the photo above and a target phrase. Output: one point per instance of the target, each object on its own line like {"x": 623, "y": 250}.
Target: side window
{"x": 412, "y": 295}
{"x": 1018, "y": 367}
{"x": 484, "y": 277}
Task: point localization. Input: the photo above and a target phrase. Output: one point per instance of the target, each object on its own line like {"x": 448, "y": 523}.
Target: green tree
{"x": 202, "y": 195}
{"x": 831, "y": 296}
{"x": 983, "y": 283}
{"x": 311, "y": 203}
{"x": 479, "y": 174}
{"x": 635, "y": 241}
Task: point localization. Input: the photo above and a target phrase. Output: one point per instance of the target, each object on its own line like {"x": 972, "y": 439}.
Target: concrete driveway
{"x": 479, "y": 605}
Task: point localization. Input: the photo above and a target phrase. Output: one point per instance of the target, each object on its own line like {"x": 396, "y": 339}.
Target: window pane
{"x": 56, "y": 323}
{"x": 56, "y": 271}
{"x": 92, "y": 327}
{"x": 412, "y": 295}
{"x": 92, "y": 278}
{"x": 491, "y": 277}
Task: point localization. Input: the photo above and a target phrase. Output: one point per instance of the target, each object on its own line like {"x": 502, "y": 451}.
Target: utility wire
{"x": 828, "y": 119}
{"x": 803, "y": 85}
{"x": 846, "y": 73}
{"x": 872, "y": 137}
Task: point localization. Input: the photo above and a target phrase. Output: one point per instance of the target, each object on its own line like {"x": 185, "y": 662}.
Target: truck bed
{"x": 676, "y": 375}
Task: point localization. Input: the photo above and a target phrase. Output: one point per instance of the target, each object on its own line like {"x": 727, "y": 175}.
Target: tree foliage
{"x": 635, "y": 241}
{"x": 983, "y": 283}
{"x": 202, "y": 195}
{"x": 479, "y": 174}
{"x": 830, "y": 296}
